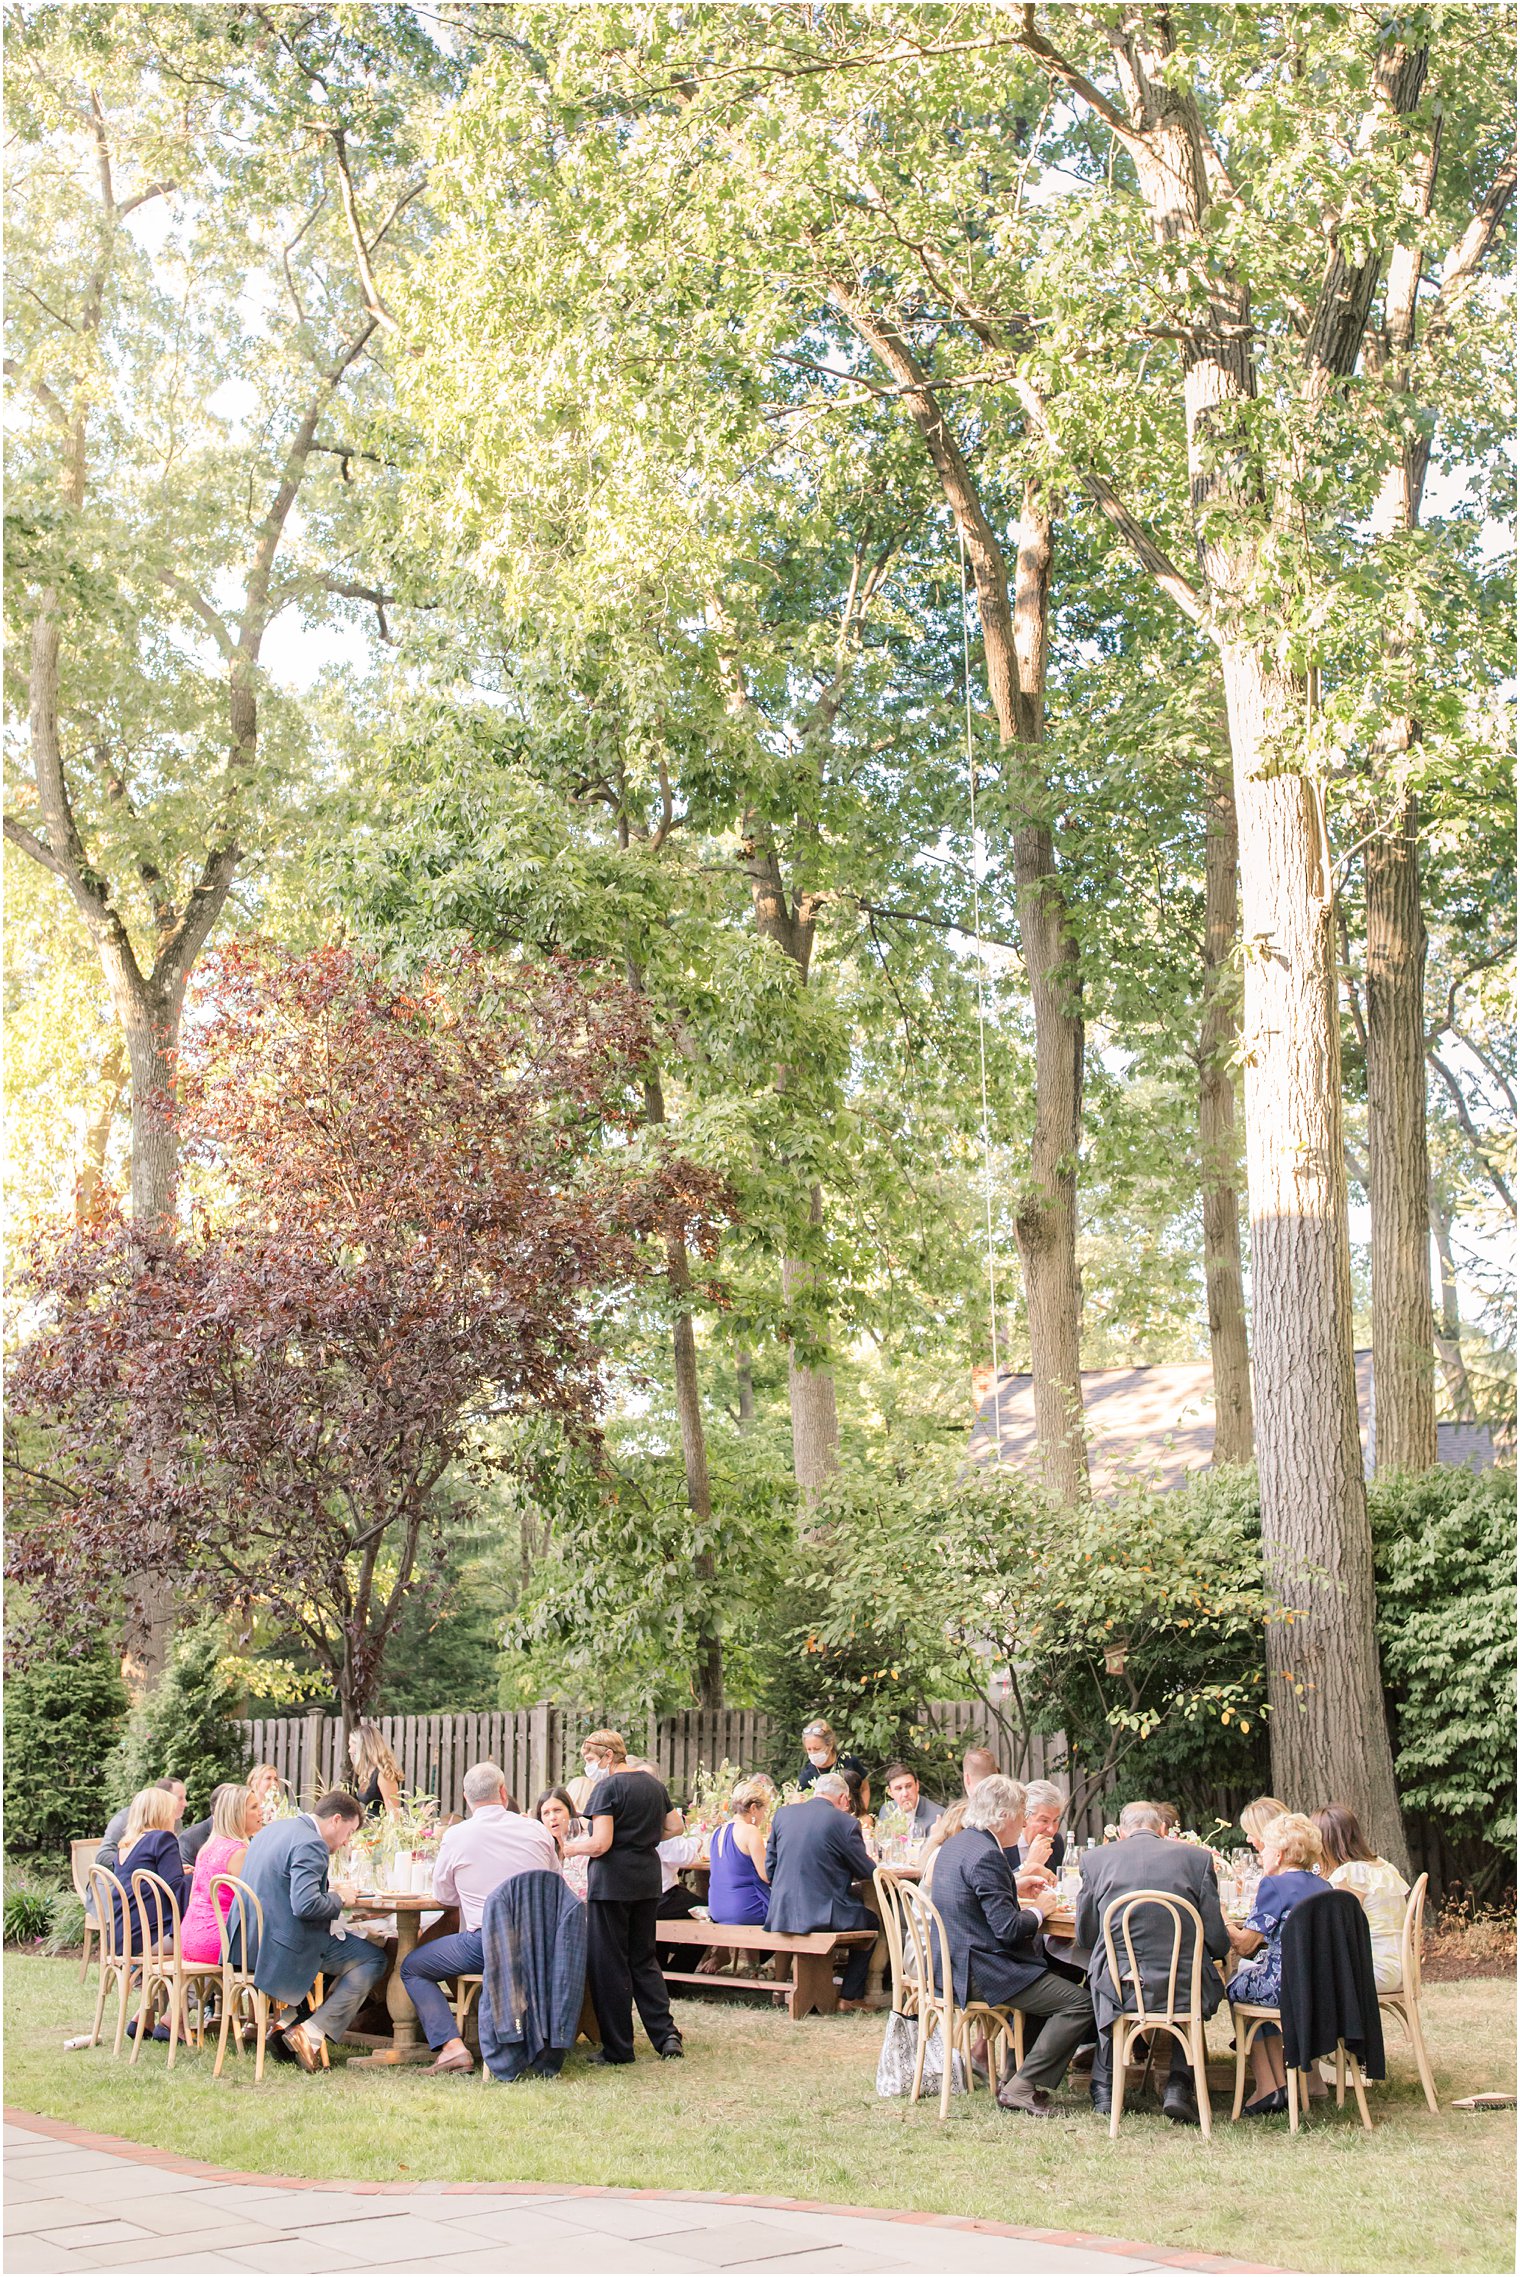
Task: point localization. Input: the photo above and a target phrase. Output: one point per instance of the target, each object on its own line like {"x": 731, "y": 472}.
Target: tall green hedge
{"x": 1444, "y": 1541}
{"x": 63, "y": 1718}
{"x": 184, "y": 1726}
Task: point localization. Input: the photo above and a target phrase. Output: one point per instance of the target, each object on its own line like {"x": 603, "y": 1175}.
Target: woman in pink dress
{"x": 235, "y": 1819}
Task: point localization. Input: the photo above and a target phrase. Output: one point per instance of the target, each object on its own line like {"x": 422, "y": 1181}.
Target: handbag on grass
{"x": 899, "y": 2053}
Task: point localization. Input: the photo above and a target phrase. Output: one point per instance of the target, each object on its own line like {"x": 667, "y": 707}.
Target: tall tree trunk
{"x": 1014, "y": 642}
{"x": 1219, "y": 1036}
{"x": 90, "y": 1174}
{"x": 683, "y": 1340}
{"x": 1449, "y": 1334}
{"x": 1329, "y": 1733}
{"x": 810, "y": 1384}
{"x": 1398, "y": 1156}
{"x": 744, "y": 1378}
{"x": 810, "y": 1390}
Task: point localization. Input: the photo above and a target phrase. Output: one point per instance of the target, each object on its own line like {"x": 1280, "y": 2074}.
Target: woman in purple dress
{"x": 737, "y": 1890}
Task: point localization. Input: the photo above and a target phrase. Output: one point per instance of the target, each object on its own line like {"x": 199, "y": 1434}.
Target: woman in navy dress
{"x": 1291, "y": 1853}
{"x": 149, "y": 1846}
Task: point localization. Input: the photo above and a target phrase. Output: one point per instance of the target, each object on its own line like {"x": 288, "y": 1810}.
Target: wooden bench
{"x": 812, "y": 1986}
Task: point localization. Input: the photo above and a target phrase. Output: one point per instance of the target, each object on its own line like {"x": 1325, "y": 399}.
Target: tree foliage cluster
{"x": 958, "y": 559}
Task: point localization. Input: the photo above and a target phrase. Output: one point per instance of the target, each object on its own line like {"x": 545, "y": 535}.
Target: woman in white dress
{"x": 1352, "y": 1864}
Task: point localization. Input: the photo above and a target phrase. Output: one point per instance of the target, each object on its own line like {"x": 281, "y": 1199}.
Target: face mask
{"x": 595, "y": 1770}
{"x": 818, "y": 1755}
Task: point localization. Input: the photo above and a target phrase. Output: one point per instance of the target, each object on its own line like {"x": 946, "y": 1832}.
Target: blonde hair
{"x": 606, "y": 1743}
{"x": 1258, "y": 1816}
{"x": 258, "y": 1771}
{"x": 229, "y": 1813}
{"x": 751, "y": 1791}
{"x": 152, "y": 1811}
{"x": 1296, "y": 1840}
{"x": 374, "y": 1753}
{"x": 950, "y": 1821}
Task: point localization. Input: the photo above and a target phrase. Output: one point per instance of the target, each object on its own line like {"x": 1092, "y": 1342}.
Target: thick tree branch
{"x": 1469, "y": 1129}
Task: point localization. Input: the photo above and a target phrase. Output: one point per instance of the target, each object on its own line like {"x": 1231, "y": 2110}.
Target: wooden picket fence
{"x": 540, "y": 1746}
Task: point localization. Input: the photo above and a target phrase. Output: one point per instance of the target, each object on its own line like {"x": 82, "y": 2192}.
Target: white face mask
{"x": 820, "y": 1756}
{"x": 595, "y": 1770}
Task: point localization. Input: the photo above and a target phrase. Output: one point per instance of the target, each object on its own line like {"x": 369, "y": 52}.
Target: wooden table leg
{"x": 407, "y": 2045}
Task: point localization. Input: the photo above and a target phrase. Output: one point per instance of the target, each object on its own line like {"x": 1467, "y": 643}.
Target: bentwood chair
{"x": 899, "y": 1943}
{"x": 165, "y": 1969}
{"x": 1183, "y": 2023}
{"x": 244, "y": 2006}
{"x": 1404, "y": 2000}
{"x": 937, "y": 2007}
{"x": 118, "y": 1963}
{"x": 1250, "y": 2017}
{"x": 82, "y": 1856}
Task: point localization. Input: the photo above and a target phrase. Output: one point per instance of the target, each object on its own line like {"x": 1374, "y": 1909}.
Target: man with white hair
{"x": 474, "y": 1858}
{"x": 994, "y": 1922}
{"x": 1042, "y": 1843}
{"x": 1144, "y": 1858}
{"x": 814, "y": 1857}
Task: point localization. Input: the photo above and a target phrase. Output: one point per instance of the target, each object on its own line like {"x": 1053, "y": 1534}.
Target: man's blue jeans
{"x": 425, "y": 1968}
{"x": 352, "y": 1967}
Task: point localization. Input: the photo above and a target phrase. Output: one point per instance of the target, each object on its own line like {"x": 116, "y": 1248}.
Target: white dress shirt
{"x": 485, "y": 1850}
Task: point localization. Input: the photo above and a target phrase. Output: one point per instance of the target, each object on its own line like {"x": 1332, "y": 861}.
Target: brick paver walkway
{"x": 76, "y": 2201}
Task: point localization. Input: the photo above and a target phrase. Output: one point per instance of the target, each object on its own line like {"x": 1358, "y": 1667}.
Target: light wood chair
{"x": 900, "y": 1952}
{"x": 466, "y": 1995}
{"x": 118, "y": 1964}
{"x": 165, "y": 1969}
{"x": 1184, "y": 2025}
{"x": 1249, "y": 2017}
{"x": 82, "y": 1856}
{"x": 936, "y": 2004}
{"x": 244, "y": 2006}
{"x": 1404, "y": 2000}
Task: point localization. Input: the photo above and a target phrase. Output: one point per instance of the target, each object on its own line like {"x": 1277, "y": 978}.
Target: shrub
{"x": 185, "y": 1726}
{"x": 62, "y": 1720}
{"x": 1444, "y": 1541}
{"x": 65, "y": 1932}
{"x": 27, "y": 1911}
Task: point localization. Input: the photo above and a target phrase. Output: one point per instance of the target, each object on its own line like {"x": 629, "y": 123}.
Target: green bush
{"x": 62, "y": 1720}
{"x": 184, "y": 1726}
{"x": 65, "y": 1932}
{"x": 26, "y": 1912}
{"x": 1444, "y": 1541}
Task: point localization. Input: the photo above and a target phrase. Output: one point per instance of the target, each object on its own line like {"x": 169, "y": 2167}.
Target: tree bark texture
{"x": 708, "y": 1671}
{"x": 1218, "y": 1145}
{"x": 810, "y": 1390}
{"x": 1329, "y": 1735}
{"x": 1449, "y": 1334}
{"x": 1014, "y": 636}
{"x": 1403, "y": 1377}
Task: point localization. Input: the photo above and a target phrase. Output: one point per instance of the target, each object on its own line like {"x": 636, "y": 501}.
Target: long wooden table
{"x": 406, "y": 2044}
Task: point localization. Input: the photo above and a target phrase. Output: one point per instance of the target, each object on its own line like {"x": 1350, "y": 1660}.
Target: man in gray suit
{"x": 286, "y": 1867}
{"x": 1143, "y": 1859}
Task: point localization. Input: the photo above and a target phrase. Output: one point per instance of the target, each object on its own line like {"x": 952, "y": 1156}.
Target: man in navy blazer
{"x": 814, "y": 1857}
{"x": 286, "y": 1867}
{"x": 994, "y": 1929}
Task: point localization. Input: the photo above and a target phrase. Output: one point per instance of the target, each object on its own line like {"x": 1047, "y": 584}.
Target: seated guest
{"x": 950, "y": 1821}
{"x": 193, "y": 1839}
{"x": 1144, "y": 1859}
{"x": 977, "y": 1764}
{"x": 1171, "y": 1819}
{"x": 813, "y": 1859}
{"x": 555, "y": 1810}
{"x": 268, "y": 1790}
{"x": 994, "y": 1929}
{"x": 860, "y": 1800}
{"x": 287, "y": 1870}
{"x": 116, "y": 1826}
{"x": 738, "y": 1889}
{"x": 474, "y": 1858}
{"x": 1258, "y": 1816}
{"x": 375, "y": 1768}
{"x": 1351, "y": 1863}
{"x": 149, "y": 1846}
{"x": 677, "y": 1901}
{"x": 910, "y": 1799}
{"x": 1042, "y": 1843}
{"x": 820, "y": 1754}
{"x": 235, "y": 1820}
{"x": 1291, "y": 1851}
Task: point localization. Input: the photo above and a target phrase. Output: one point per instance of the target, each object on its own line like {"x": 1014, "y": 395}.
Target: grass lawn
{"x": 764, "y": 2105}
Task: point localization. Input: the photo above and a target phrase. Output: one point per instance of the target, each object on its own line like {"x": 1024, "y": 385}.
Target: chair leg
{"x": 100, "y": 2006}
{"x": 221, "y": 2043}
{"x": 1242, "y": 2049}
{"x": 947, "y": 2053}
{"x": 176, "y": 1993}
{"x": 1293, "y": 2094}
{"x": 144, "y": 2016}
{"x": 1200, "y": 2055}
{"x": 1340, "y": 2075}
{"x": 1421, "y": 2054}
{"x": 1121, "y": 2064}
{"x": 84, "y": 1966}
{"x": 1357, "y": 2084}
{"x": 925, "y": 2016}
{"x": 261, "y": 2027}
{"x": 123, "y": 1994}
